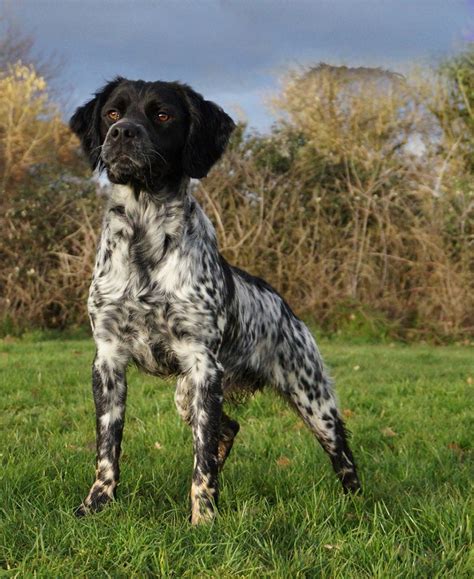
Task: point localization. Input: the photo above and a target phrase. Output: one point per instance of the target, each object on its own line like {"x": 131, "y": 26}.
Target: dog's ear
{"x": 209, "y": 131}
{"x": 85, "y": 122}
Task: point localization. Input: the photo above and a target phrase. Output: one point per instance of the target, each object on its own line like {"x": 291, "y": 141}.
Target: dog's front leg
{"x": 109, "y": 387}
{"x": 206, "y": 375}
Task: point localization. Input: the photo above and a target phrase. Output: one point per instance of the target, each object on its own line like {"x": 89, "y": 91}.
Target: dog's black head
{"x": 146, "y": 133}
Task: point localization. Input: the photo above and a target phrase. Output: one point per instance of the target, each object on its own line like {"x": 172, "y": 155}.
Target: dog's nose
{"x": 124, "y": 132}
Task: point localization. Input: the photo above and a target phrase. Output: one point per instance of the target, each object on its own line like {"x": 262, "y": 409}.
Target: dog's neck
{"x": 173, "y": 193}
{"x": 162, "y": 192}
{"x": 135, "y": 200}
{"x": 167, "y": 211}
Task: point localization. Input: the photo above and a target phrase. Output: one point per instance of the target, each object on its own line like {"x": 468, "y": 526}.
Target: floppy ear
{"x": 85, "y": 122}
{"x": 209, "y": 131}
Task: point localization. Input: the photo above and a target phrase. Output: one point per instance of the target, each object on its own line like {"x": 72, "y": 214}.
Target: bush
{"x": 335, "y": 210}
{"x": 358, "y": 206}
{"x": 48, "y": 216}
{"x": 454, "y": 106}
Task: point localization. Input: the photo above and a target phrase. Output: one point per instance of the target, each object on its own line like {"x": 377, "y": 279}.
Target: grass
{"x": 282, "y": 512}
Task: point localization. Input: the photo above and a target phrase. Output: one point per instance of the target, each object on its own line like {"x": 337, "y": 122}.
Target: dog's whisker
{"x": 160, "y": 156}
{"x": 98, "y": 148}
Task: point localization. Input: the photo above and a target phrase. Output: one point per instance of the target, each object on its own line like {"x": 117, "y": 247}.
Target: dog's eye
{"x": 163, "y": 117}
{"x": 113, "y": 115}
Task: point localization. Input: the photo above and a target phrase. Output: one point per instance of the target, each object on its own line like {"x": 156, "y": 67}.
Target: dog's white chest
{"x": 132, "y": 290}
{"x": 151, "y": 290}
{"x": 137, "y": 234}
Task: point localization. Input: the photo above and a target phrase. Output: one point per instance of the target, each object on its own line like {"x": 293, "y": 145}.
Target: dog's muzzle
{"x": 123, "y": 151}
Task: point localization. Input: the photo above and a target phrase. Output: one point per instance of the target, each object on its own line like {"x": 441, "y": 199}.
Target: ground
{"x": 282, "y": 512}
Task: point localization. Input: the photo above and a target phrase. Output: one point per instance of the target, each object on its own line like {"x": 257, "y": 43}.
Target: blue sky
{"x": 234, "y": 51}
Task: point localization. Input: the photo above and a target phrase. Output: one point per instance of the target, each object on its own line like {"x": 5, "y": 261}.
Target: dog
{"x": 163, "y": 297}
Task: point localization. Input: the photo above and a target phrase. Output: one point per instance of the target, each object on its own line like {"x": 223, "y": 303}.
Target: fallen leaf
{"x": 388, "y": 432}
{"x": 72, "y": 447}
{"x": 347, "y": 413}
{"x": 457, "y": 449}
{"x": 283, "y": 461}
{"x": 330, "y": 547}
{"x": 158, "y": 446}
{"x": 469, "y": 380}
{"x": 356, "y": 368}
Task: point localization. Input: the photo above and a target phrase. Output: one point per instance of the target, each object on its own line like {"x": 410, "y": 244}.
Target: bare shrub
{"x": 48, "y": 239}
{"x": 358, "y": 206}
{"x": 17, "y": 45}
{"x": 337, "y": 211}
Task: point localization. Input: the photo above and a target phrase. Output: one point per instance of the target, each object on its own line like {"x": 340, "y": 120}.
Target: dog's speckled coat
{"x": 164, "y": 298}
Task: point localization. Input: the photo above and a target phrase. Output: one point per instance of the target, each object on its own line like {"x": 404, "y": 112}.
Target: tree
{"x": 18, "y": 46}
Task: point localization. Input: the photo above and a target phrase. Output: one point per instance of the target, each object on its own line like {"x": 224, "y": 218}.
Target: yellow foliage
{"x": 31, "y": 129}
{"x": 351, "y": 115}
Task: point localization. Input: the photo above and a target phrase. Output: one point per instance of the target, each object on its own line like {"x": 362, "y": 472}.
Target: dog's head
{"x": 144, "y": 133}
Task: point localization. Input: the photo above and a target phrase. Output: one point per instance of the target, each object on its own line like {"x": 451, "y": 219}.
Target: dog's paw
{"x": 94, "y": 506}
{"x": 200, "y": 516}
{"x": 81, "y": 511}
{"x": 96, "y": 500}
{"x": 203, "y": 504}
{"x": 351, "y": 484}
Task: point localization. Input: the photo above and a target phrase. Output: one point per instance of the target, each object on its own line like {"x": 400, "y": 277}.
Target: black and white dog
{"x": 163, "y": 297}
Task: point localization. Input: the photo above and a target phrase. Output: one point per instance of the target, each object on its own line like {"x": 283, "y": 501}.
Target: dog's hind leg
{"x": 300, "y": 376}
{"x": 110, "y": 389}
{"x": 183, "y": 399}
{"x": 228, "y": 429}
{"x": 316, "y": 404}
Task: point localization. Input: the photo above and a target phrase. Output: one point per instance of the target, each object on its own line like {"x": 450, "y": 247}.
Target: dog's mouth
{"x": 123, "y": 165}
{"x": 122, "y": 156}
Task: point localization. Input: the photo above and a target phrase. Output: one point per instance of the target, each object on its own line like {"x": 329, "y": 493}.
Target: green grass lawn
{"x": 282, "y": 512}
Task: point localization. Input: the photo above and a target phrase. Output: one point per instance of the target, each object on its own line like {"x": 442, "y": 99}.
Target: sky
{"x": 235, "y": 51}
